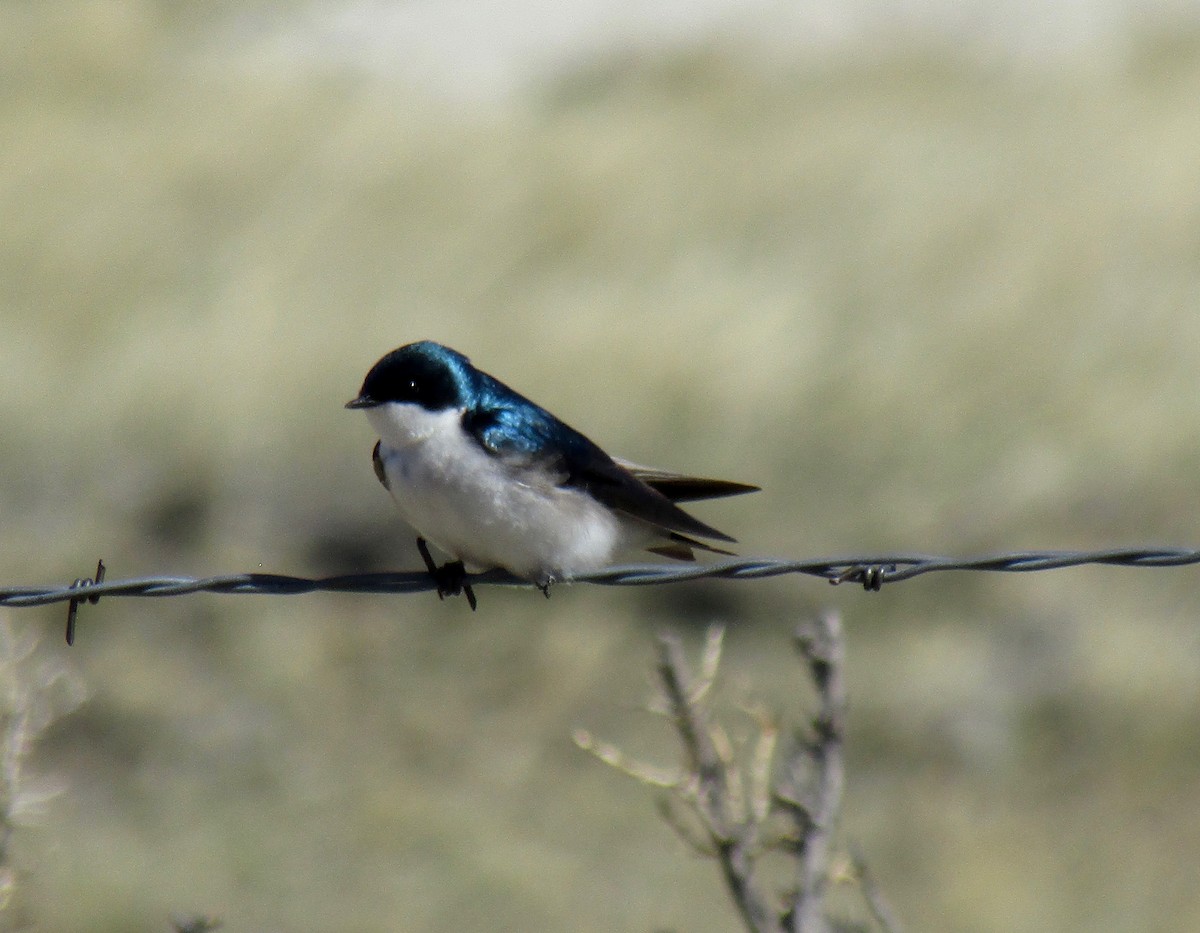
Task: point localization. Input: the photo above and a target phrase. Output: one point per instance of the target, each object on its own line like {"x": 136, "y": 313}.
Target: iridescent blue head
{"x": 424, "y": 373}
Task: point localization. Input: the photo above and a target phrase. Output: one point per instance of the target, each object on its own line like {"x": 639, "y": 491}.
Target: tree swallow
{"x": 495, "y": 480}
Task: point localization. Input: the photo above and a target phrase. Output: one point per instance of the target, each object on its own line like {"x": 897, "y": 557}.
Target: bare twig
{"x": 34, "y": 691}
{"x": 878, "y": 904}
{"x": 732, "y": 830}
{"x": 724, "y": 801}
{"x": 816, "y": 810}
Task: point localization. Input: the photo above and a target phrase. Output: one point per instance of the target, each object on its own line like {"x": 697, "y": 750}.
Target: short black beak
{"x": 363, "y": 401}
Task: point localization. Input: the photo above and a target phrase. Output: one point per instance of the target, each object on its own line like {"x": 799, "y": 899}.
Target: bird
{"x": 496, "y": 481}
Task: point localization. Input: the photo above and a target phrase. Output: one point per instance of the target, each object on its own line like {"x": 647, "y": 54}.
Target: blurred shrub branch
{"x": 34, "y": 692}
{"x": 738, "y": 800}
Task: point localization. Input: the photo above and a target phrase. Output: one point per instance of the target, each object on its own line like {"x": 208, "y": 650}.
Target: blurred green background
{"x": 930, "y": 296}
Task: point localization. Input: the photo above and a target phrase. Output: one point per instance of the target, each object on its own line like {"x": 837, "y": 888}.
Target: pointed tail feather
{"x": 681, "y": 488}
{"x": 680, "y": 548}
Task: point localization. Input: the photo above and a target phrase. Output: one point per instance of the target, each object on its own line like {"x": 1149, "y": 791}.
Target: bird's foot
{"x": 451, "y": 577}
{"x": 545, "y": 584}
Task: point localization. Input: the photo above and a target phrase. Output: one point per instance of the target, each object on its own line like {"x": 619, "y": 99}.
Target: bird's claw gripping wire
{"x": 73, "y": 605}
{"x": 451, "y": 578}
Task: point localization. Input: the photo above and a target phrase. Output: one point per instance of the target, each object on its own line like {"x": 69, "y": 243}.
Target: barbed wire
{"x": 870, "y": 572}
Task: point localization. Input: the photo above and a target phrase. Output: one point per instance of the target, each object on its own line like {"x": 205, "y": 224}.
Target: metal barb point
{"x": 451, "y": 578}
{"x": 430, "y": 565}
{"x": 871, "y": 576}
{"x": 73, "y": 605}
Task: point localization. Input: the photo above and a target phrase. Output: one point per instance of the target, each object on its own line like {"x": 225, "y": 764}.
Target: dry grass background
{"x": 928, "y": 303}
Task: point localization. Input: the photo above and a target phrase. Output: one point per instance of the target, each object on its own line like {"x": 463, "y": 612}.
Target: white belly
{"x": 481, "y": 511}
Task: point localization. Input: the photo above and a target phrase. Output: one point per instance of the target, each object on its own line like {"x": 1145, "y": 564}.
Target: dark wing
{"x": 530, "y": 437}
{"x": 377, "y": 463}
{"x": 616, "y": 487}
{"x": 681, "y": 488}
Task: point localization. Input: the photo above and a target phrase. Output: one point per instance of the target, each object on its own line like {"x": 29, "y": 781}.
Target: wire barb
{"x": 73, "y": 605}
{"x": 871, "y": 576}
{"x": 450, "y": 578}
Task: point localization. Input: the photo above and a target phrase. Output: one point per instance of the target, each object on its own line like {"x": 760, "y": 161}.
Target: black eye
{"x": 433, "y": 390}
{"x": 407, "y": 377}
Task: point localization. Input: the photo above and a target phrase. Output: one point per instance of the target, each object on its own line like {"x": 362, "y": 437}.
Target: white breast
{"x": 486, "y": 513}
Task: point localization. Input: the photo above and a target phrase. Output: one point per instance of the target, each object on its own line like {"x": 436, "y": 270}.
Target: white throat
{"x": 402, "y": 424}
{"x": 485, "y": 511}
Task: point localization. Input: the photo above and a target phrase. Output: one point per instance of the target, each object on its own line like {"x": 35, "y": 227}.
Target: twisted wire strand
{"x": 869, "y": 571}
